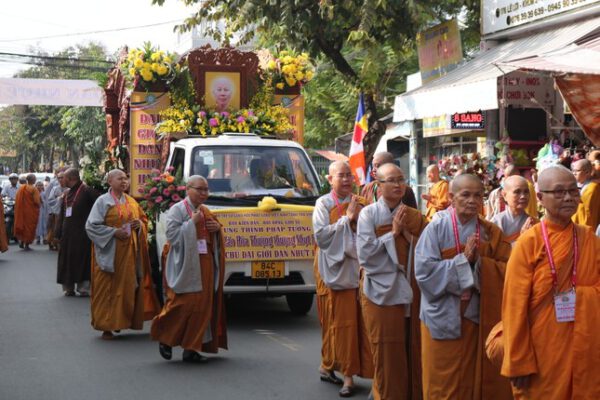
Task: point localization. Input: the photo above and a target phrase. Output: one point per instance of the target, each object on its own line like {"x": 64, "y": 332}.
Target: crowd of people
{"x": 468, "y": 300}
{"x": 463, "y": 301}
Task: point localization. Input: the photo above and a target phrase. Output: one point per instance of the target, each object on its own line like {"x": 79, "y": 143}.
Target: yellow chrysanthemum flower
{"x": 138, "y": 63}
{"x": 280, "y": 85}
{"x": 272, "y": 65}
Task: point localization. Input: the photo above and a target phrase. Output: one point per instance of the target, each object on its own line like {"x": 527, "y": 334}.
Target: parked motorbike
{"x": 9, "y": 216}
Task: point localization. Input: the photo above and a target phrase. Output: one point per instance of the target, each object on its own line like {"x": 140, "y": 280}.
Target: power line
{"x": 54, "y": 65}
{"x": 57, "y": 58}
{"x": 89, "y": 32}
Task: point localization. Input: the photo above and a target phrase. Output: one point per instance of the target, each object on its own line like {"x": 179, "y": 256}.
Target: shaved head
{"x": 113, "y": 173}
{"x": 583, "y": 165}
{"x": 432, "y": 168}
{"x": 338, "y": 166}
{"x": 513, "y": 181}
{"x": 194, "y": 180}
{"x": 551, "y": 174}
{"x": 71, "y": 173}
{"x": 383, "y": 158}
{"x": 384, "y": 170}
{"x": 433, "y": 173}
{"x": 463, "y": 180}
{"x": 31, "y": 179}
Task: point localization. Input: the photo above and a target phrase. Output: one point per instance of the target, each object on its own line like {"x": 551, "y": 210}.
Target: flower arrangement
{"x": 181, "y": 118}
{"x": 290, "y": 69}
{"x": 151, "y": 65}
{"x": 161, "y": 192}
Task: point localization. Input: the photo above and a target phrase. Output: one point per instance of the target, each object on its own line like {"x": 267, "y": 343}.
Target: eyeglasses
{"x": 560, "y": 193}
{"x": 199, "y": 188}
{"x": 396, "y": 181}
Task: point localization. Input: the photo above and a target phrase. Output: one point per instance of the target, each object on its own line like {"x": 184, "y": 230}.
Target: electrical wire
{"x": 57, "y": 58}
{"x": 89, "y": 32}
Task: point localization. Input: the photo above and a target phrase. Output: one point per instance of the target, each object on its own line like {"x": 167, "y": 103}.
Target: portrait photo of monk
{"x": 222, "y": 91}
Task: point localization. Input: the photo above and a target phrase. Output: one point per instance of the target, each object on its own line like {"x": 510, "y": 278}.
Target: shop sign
{"x": 267, "y": 235}
{"x": 503, "y": 15}
{"x": 440, "y": 50}
{"x": 526, "y": 90}
{"x": 436, "y": 126}
{"x": 144, "y": 151}
{"x": 468, "y": 120}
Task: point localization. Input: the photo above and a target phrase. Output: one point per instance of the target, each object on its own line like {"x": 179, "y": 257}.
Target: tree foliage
{"x": 51, "y": 133}
{"x": 360, "y": 45}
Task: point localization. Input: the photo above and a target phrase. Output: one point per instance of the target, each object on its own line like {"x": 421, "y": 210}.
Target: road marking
{"x": 280, "y": 339}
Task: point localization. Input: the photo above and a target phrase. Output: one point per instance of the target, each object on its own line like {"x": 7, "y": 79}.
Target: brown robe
{"x": 186, "y": 316}
{"x": 120, "y": 300}
{"x": 75, "y": 252}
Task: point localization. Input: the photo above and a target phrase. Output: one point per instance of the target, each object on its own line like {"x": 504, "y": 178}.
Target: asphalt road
{"x": 48, "y": 349}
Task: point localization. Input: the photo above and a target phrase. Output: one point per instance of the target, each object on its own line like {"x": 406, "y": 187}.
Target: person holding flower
{"x": 193, "y": 316}
{"x": 123, "y": 296}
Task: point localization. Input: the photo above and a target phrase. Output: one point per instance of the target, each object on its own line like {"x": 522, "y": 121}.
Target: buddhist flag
{"x": 357, "y": 153}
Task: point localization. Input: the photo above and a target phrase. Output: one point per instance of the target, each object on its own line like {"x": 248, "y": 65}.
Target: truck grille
{"x": 238, "y": 279}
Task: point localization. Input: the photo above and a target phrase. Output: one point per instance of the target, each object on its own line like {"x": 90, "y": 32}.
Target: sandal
{"x": 193, "y": 357}
{"x": 69, "y": 293}
{"x": 107, "y": 335}
{"x": 330, "y": 377}
{"x": 346, "y": 391}
{"x": 165, "y": 351}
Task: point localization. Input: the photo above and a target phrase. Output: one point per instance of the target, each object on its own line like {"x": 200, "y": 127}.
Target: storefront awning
{"x": 580, "y": 58}
{"x": 473, "y": 85}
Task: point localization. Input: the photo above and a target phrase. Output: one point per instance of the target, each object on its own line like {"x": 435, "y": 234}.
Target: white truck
{"x": 269, "y": 249}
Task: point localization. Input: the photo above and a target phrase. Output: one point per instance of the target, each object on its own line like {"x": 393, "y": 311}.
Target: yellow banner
{"x": 144, "y": 152}
{"x": 255, "y": 235}
{"x": 295, "y": 105}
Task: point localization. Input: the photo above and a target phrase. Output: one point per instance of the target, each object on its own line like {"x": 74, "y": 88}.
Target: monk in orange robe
{"x": 437, "y": 198}
{"x": 27, "y": 211}
{"x": 551, "y": 342}
{"x": 370, "y": 191}
{"x": 588, "y": 211}
{"x": 387, "y": 232}
{"x": 122, "y": 293}
{"x": 334, "y": 225}
{"x": 459, "y": 265}
{"x": 193, "y": 316}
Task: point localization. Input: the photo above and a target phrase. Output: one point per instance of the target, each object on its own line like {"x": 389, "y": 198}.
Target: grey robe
{"x": 386, "y": 281}
{"x": 442, "y": 282}
{"x": 183, "y": 272}
{"x": 102, "y": 236}
{"x": 509, "y": 223}
{"x": 338, "y": 261}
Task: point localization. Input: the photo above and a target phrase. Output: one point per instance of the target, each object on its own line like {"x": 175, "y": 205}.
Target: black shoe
{"x": 193, "y": 357}
{"x": 165, "y": 351}
{"x": 330, "y": 377}
{"x": 21, "y": 245}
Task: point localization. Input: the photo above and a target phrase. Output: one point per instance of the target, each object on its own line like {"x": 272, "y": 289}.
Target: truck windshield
{"x": 255, "y": 171}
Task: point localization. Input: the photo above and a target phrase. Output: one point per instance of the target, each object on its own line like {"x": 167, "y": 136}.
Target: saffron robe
{"x": 388, "y": 298}
{"x": 122, "y": 292}
{"x": 370, "y": 193}
{"x": 193, "y": 316}
{"x": 532, "y": 207}
{"x": 27, "y": 211}
{"x": 562, "y": 358}
{"x": 439, "y": 198}
{"x": 460, "y": 305}
{"x": 339, "y": 271}
{"x": 588, "y": 211}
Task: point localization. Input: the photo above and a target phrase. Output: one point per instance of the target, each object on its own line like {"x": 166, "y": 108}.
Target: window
{"x": 177, "y": 160}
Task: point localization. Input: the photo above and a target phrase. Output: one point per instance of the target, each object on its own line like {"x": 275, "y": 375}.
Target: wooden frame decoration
{"x": 207, "y": 64}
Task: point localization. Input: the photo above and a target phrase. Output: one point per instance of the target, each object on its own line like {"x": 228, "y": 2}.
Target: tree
{"x": 41, "y": 132}
{"x": 364, "y": 41}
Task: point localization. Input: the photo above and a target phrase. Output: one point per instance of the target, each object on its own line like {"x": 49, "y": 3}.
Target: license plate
{"x": 268, "y": 269}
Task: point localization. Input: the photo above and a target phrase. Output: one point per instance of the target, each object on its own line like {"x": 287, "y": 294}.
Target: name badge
{"x": 564, "y": 306}
{"x": 202, "y": 247}
{"x": 68, "y": 212}
{"x": 127, "y": 228}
